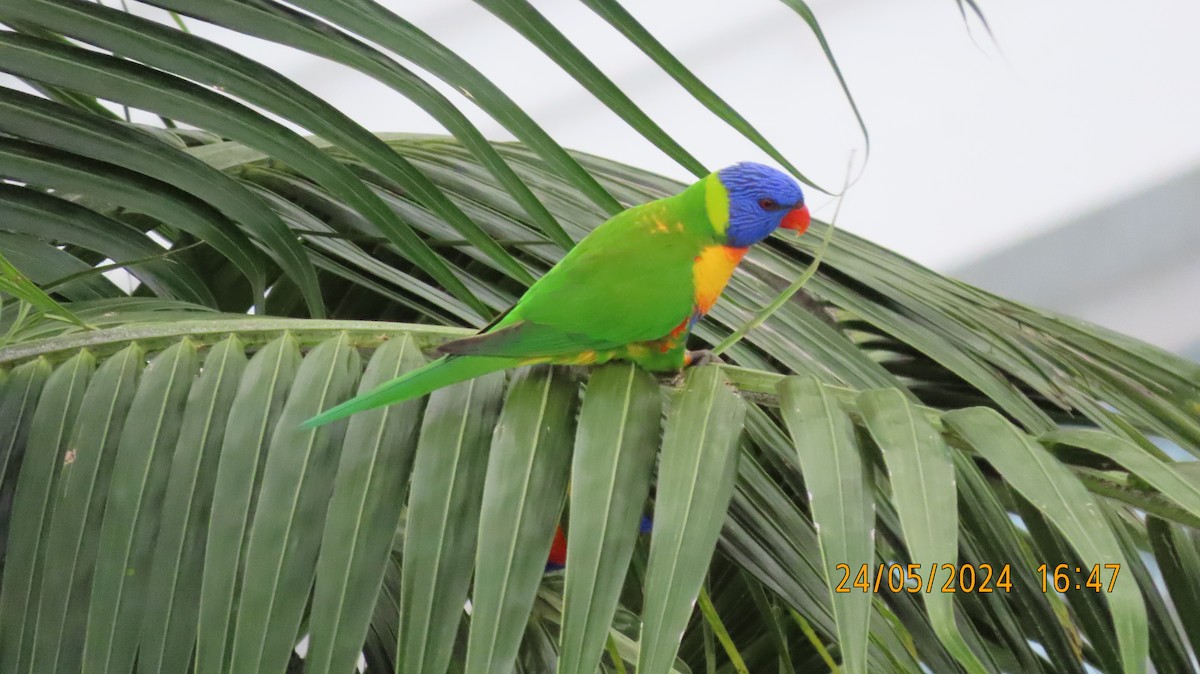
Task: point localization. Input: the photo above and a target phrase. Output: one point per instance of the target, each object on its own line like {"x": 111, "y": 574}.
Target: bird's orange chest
{"x": 711, "y": 270}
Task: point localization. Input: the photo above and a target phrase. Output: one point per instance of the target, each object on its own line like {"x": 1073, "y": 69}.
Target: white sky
{"x": 1088, "y": 101}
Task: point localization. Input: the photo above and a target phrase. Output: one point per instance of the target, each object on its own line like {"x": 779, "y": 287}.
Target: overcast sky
{"x": 1083, "y": 103}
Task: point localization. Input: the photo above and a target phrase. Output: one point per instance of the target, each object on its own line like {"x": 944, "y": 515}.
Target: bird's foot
{"x": 693, "y": 359}
{"x": 700, "y": 358}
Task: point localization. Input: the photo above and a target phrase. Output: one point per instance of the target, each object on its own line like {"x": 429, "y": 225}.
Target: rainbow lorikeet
{"x": 631, "y": 290}
{"x": 557, "y": 559}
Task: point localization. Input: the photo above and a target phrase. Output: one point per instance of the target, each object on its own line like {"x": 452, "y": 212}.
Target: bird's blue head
{"x": 761, "y": 199}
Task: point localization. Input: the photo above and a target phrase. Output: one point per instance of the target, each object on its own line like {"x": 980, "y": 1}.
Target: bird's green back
{"x": 630, "y": 280}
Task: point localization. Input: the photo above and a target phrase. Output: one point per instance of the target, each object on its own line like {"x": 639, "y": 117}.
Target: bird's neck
{"x": 704, "y": 207}
{"x": 711, "y": 271}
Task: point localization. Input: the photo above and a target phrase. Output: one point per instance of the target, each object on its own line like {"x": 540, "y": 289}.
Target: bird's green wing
{"x": 629, "y": 281}
{"x": 524, "y": 339}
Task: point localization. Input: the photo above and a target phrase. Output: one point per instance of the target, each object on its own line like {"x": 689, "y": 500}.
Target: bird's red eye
{"x": 768, "y": 204}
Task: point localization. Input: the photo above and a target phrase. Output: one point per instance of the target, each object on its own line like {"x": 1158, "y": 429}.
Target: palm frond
{"x": 250, "y": 409}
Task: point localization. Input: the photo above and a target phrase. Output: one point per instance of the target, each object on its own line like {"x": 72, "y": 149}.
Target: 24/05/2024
{"x": 980, "y": 578}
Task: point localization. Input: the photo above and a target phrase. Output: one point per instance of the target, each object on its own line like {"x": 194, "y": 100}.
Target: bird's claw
{"x": 693, "y": 359}
{"x": 701, "y": 358}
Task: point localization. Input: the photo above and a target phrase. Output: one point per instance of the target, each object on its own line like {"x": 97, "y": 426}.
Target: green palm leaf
{"x": 440, "y": 536}
{"x": 614, "y": 456}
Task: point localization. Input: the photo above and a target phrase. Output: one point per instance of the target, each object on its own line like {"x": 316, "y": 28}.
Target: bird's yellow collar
{"x": 716, "y": 203}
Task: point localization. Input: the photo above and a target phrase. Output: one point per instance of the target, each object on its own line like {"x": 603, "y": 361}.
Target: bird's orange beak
{"x": 797, "y": 219}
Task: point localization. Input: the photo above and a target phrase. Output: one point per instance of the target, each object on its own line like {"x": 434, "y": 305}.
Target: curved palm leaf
{"x": 760, "y": 532}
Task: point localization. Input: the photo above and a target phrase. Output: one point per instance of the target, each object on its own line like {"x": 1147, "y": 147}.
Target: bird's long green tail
{"x": 424, "y": 380}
